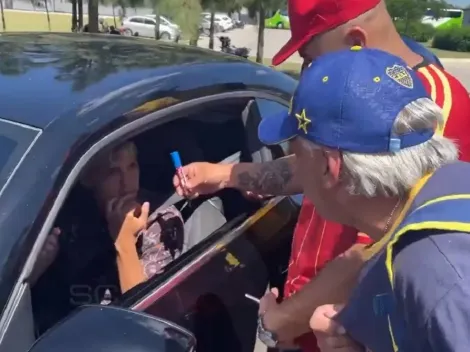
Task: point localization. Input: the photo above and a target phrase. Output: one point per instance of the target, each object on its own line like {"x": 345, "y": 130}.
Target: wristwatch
{"x": 267, "y": 337}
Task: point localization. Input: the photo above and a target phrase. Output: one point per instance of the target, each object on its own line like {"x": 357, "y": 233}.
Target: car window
{"x": 15, "y": 141}
{"x": 210, "y": 133}
{"x": 136, "y": 20}
{"x": 284, "y": 13}
{"x": 149, "y": 21}
{"x": 268, "y": 108}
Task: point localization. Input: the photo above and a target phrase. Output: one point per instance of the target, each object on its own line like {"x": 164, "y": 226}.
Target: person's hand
{"x": 268, "y": 307}
{"x": 126, "y": 218}
{"x": 331, "y": 336}
{"x": 202, "y": 178}
{"x": 47, "y": 255}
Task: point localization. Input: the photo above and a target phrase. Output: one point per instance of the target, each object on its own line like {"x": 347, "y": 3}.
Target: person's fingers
{"x": 322, "y": 321}
{"x": 267, "y": 301}
{"x": 144, "y": 212}
{"x": 56, "y": 231}
{"x": 275, "y": 292}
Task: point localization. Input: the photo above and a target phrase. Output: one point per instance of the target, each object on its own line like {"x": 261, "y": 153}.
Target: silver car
{"x": 144, "y": 26}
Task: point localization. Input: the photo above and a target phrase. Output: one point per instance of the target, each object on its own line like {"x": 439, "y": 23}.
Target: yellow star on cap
{"x": 304, "y": 121}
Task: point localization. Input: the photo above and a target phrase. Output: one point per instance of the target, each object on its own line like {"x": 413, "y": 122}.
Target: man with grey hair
{"x": 368, "y": 156}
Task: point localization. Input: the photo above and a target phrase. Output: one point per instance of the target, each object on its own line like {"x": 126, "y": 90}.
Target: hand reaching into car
{"x": 47, "y": 255}
{"x": 202, "y": 178}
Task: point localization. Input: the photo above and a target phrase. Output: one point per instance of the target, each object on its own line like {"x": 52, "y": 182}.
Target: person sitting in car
{"x": 105, "y": 242}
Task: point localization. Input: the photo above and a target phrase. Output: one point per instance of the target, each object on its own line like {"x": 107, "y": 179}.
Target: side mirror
{"x": 105, "y": 328}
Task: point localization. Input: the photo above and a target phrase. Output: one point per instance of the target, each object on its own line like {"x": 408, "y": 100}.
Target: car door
{"x": 136, "y": 25}
{"x": 205, "y": 289}
{"x": 149, "y": 27}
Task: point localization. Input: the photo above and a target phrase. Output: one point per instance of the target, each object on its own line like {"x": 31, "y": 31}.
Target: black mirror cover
{"x": 99, "y": 328}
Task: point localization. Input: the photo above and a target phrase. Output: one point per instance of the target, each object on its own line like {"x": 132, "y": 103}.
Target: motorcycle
{"x": 226, "y": 47}
{"x": 238, "y": 24}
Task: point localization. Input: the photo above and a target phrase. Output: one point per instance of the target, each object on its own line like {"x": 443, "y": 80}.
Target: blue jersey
{"x": 413, "y": 296}
{"x": 422, "y": 50}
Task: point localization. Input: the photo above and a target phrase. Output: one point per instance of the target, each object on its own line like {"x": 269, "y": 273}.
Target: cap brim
{"x": 276, "y": 129}
{"x": 289, "y": 49}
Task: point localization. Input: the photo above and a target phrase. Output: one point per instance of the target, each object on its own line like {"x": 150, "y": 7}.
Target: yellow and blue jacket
{"x": 413, "y": 294}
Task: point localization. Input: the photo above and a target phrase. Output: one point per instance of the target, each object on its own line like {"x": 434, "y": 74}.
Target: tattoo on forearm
{"x": 270, "y": 179}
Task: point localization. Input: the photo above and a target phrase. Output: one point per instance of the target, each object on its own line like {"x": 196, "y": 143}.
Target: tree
{"x": 93, "y": 16}
{"x": 3, "y": 16}
{"x": 74, "y": 15}
{"x": 47, "y": 14}
{"x": 257, "y": 9}
{"x": 186, "y": 14}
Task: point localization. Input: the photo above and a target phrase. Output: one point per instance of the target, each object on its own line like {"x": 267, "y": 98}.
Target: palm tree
{"x": 3, "y": 16}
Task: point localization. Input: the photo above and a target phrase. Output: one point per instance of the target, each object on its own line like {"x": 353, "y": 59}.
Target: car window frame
{"x": 129, "y": 130}
{"x": 138, "y": 20}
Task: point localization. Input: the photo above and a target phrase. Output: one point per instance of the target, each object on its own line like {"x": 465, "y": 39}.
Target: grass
{"x": 27, "y": 21}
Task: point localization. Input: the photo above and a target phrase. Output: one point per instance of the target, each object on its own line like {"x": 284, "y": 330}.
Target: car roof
{"x": 48, "y": 76}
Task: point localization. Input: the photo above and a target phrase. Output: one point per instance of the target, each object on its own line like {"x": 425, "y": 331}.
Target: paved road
{"x": 275, "y": 38}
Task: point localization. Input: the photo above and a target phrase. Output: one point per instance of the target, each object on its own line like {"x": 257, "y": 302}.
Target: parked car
{"x": 205, "y": 26}
{"x": 88, "y": 93}
{"x": 144, "y": 26}
{"x": 277, "y": 19}
{"x": 223, "y": 20}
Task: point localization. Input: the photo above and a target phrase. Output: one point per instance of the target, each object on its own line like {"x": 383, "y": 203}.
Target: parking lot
{"x": 275, "y": 38}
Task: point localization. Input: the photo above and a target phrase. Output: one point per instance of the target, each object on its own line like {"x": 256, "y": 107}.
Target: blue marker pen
{"x": 175, "y": 156}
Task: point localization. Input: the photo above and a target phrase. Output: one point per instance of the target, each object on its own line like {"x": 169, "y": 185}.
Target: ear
{"x": 333, "y": 167}
{"x": 356, "y": 36}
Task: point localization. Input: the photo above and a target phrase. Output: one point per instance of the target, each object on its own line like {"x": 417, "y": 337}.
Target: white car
{"x": 144, "y": 26}
{"x": 221, "y": 19}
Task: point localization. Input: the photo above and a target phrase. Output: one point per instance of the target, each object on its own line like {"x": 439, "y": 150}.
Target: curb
{"x": 455, "y": 60}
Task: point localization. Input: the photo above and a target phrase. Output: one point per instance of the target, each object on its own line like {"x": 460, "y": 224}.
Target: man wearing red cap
{"x": 319, "y": 27}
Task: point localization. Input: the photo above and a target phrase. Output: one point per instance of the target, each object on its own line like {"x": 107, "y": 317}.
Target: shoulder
{"x": 427, "y": 266}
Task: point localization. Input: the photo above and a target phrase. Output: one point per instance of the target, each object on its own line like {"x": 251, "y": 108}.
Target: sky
{"x": 461, "y": 3}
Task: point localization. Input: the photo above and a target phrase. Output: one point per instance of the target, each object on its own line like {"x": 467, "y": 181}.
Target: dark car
{"x": 65, "y": 97}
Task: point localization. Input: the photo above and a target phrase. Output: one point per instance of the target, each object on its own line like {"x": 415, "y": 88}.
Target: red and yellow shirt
{"x": 317, "y": 241}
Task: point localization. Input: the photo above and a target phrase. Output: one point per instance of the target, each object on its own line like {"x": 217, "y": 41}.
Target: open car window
{"x": 15, "y": 142}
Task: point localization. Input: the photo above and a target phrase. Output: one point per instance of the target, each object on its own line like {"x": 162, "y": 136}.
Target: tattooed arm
{"x": 277, "y": 177}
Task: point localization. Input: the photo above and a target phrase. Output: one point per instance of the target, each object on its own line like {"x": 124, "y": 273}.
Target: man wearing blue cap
{"x": 362, "y": 127}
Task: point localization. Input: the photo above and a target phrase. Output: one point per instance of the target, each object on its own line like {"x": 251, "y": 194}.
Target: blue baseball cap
{"x": 349, "y": 100}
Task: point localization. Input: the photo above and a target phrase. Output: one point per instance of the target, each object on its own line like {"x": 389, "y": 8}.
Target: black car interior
{"x": 225, "y": 132}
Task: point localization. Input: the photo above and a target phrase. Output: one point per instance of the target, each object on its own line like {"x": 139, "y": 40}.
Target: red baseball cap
{"x": 311, "y": 17}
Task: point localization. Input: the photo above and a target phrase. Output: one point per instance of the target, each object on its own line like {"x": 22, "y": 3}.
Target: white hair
{"x": 394, "y": 174}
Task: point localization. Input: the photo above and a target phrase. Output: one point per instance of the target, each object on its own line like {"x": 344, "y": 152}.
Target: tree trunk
{"x": 194, "y": 39}
{"x": 74, "y": 15}
{"x": 262, "y": 17}
{"x": 93, "y": 25}
{"x": 114, "y": 16}
{"x": 47, "y": 14}
{"x": 4, "y": 26}
{"x": 157, "y": 22}
{"x": 80, "y": 13}
{"x": 211, "y": 31}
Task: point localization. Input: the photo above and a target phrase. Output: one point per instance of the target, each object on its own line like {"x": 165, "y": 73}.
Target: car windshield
{"x": 284, "y": 13}
{"x": 15, "y": 141}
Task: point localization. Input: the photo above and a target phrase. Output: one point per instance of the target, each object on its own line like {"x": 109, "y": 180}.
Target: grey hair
{"x": 394, "y": 174}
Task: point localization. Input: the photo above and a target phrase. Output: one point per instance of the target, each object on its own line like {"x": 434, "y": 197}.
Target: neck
{"x": 391, "y": 42}
{"x": 377, "y": 215}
